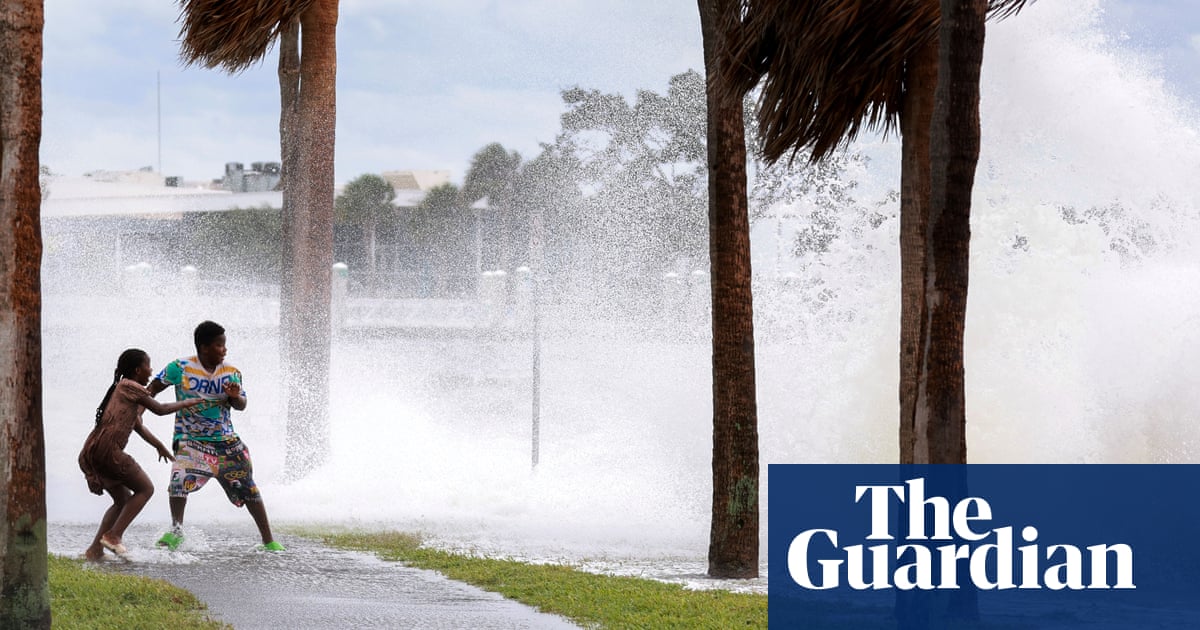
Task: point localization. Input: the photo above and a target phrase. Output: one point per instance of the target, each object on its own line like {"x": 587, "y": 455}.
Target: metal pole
{"x": 537, "y": 368}
{"x": 158, "y": 97}
{"x": 535, "y": 255}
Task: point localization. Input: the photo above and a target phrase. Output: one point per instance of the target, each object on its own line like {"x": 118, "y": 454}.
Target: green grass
{"x": 588, "y": 599}
{"x": 90, "y": 598}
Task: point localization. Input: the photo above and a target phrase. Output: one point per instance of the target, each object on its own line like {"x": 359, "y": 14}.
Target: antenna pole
{"x": 158, "y": 98}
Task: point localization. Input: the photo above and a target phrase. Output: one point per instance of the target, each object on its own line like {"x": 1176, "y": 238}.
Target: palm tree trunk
{"x": 954, "y": 152}
{"x": 939, "y": 414}
{"x": 24, "y": 589}
{"x": 289, "y": 105}
{"x": 308, "y": 245}
{"x": 289, "y": 112}
{"x": 733, "y": 542}
{"x": 919, "y": 83}
{"x": 370, "y": 228}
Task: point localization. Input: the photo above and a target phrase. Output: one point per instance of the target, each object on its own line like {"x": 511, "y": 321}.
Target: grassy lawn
{"x": 588, "y": 599}
{"x": 90, "y": 598}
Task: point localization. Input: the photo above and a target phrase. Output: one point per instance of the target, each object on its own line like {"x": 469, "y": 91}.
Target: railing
{"x": 673, "y": 306}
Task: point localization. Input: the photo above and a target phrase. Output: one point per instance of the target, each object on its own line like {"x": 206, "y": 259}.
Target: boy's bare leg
{"x": 258, "y": 511}
{"x": 174, "y": 536}
{"x": 178, "y": 505}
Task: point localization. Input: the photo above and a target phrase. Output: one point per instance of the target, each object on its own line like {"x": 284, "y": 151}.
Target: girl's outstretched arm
{"x": 141, "y": 430}
{"x": 162, "y": 409}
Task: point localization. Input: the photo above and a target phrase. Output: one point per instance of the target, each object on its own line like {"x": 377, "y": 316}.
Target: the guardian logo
{"x": 960, "y": 543}
{"x": 1046, "y": 546}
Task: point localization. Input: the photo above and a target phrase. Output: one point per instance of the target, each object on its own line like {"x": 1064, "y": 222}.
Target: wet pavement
{"x": 309, "y": 586}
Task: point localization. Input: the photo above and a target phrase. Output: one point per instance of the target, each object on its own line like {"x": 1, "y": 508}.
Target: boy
{"x": 206, "y": 445}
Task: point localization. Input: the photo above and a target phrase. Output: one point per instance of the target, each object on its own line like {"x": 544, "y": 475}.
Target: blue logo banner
{"x": 983, "y": 546}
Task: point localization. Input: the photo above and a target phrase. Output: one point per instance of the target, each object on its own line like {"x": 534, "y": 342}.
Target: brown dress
{"x": 103, "y": 459}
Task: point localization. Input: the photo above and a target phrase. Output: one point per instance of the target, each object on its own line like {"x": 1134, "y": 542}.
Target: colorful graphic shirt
{"x": 208, "y": 421}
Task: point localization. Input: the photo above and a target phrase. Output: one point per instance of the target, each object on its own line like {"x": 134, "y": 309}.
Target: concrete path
{"x": 309, "y": 586}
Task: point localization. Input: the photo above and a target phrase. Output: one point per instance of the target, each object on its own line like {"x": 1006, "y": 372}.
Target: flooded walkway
{"x": 309, "y": 586}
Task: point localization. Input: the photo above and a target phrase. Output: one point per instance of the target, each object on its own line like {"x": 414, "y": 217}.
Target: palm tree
{"x": 364, "y": 202}
{"x": 234, "y": 34}
{"x": 832, "y": 68}
{"x": 442, "y": 230}
{"x": 493, "y": 174}
{"x": 733, "y": 538}
{"x": 24, "y": 589}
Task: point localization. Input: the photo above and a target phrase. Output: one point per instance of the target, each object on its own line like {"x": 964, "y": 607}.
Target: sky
{"x": 421, "y": 85}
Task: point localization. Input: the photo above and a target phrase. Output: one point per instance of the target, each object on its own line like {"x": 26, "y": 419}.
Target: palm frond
{"x": 829, "y": 68}
{"x": 1000, "y": 9}
{"x": 233, "y": 34}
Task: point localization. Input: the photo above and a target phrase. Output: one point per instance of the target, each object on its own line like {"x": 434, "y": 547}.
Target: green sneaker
{"x": 171, "y": 540}
{"x": 272, "y": 546}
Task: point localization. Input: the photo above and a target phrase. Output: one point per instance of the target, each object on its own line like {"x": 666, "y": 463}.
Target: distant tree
{"x": 493, "y": 175}
{"x": 624, "y": 188}
{"x": 443, "y": 230}
{"x": 248, "y": 240}
{"x": 642, "y": 165}
{"x": 547, "y": 186}
{"x": 434, "y": 215}
{"x": 24, "y": 588}
{"x": 366, "y": 202}
{"x": 821, "y": 193}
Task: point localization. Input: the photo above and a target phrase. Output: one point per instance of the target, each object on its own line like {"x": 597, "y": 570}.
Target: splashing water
{"x": 1081, "y": 322}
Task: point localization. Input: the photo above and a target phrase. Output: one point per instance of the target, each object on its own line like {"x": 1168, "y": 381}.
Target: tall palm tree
{"x": 830, "y": 69}
{"x": 733, "y": 538}
{"x": 233, "y": 34}
{"x": 24, "y": 589}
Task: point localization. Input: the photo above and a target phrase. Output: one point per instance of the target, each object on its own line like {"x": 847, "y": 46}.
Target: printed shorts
{"x": 196, "y": 462}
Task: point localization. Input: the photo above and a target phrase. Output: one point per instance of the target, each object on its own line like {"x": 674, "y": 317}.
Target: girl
{"x": 103, "y": 459}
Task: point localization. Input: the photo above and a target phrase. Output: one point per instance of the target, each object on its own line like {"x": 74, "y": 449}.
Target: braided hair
{"x": 127, "y": 364}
